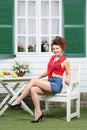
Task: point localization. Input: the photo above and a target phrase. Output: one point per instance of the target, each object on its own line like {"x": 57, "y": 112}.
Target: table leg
{"x": 26, "y": 108}
{"x": 8, "y": 95}
{"x": 4, "y": 101}
{"x": 15, "y": 95}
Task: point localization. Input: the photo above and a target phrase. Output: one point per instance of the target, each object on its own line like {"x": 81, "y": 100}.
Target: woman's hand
{"x": 67, "y": 80}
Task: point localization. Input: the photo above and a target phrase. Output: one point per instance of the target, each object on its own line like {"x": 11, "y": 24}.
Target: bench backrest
{"x": 75, "y": 75}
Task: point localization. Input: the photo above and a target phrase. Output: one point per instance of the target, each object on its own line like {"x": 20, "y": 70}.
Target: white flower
{"x": 20, "y": 67}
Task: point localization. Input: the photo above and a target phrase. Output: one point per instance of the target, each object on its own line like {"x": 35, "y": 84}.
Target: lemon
{"x": 14, "y": 75}
{"x": 4, "y": 71}
{"x": 1, "y": 74}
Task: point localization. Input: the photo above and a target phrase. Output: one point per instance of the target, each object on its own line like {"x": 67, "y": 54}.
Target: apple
{"x": 7, "y": 73}
{"x": 14, "y": 75}
{"x": 1, "y": 74}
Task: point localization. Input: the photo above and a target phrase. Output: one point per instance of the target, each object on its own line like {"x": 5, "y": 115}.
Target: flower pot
{"x": 30, "y": 50}
{"x": 20, "y": 73}
{"x": 20, "y": 50}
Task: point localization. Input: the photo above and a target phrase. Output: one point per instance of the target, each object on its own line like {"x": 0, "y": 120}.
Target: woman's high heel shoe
{"x": 14, "y": 106}
{"x": 39, "y": 119}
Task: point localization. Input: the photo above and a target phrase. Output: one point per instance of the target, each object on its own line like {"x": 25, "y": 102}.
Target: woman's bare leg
{"x": 42, "y": 84}
{"x": 34, "y": 95}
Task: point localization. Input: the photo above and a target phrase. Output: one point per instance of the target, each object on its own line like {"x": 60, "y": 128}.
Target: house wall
{"x": 37, "y": 65}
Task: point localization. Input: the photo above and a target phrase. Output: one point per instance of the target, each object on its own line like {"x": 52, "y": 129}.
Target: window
{"x": 37, "y": 23}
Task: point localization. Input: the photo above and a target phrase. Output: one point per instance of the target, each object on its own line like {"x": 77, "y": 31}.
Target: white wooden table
{"x": 13, "y": 90}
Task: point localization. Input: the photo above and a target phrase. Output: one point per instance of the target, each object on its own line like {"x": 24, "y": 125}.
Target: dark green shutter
{"x": 74, "y": 17}
{"x": 6, "y": 28}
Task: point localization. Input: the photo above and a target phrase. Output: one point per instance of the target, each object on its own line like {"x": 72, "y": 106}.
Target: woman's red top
{"x": 55, "y": 66}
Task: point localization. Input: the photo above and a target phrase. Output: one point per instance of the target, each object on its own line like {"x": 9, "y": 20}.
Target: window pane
{"x": 31, "y": 8}
{"x": 44, "y": 8}
{"x": 55, "y": 9}
{"x": 21, "y": 8}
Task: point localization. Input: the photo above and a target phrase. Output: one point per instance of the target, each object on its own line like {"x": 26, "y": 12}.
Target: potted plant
{"x": 21, "y": 68}
{"x": 20, "y": 48}
{"x": 30, "y": 48}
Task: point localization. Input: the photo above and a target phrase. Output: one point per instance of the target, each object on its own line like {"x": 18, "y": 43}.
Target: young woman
{"x": 57, "y": 65}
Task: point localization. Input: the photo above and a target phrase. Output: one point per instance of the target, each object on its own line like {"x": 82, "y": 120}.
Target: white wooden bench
{"x": 68, "y": 94}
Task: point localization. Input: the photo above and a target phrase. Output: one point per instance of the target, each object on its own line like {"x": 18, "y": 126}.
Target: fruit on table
{"x": 14, "y": 75}
{"x": 5, "y": 71}
{"x": 1, "y": 74}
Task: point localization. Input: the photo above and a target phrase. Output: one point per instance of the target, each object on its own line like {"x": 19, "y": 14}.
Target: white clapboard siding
{"x": 38, "y": 64}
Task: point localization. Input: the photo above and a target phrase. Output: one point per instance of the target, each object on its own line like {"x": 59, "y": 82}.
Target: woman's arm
{"x": 42, "y": 75}
{"x": 68, "y": 76}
